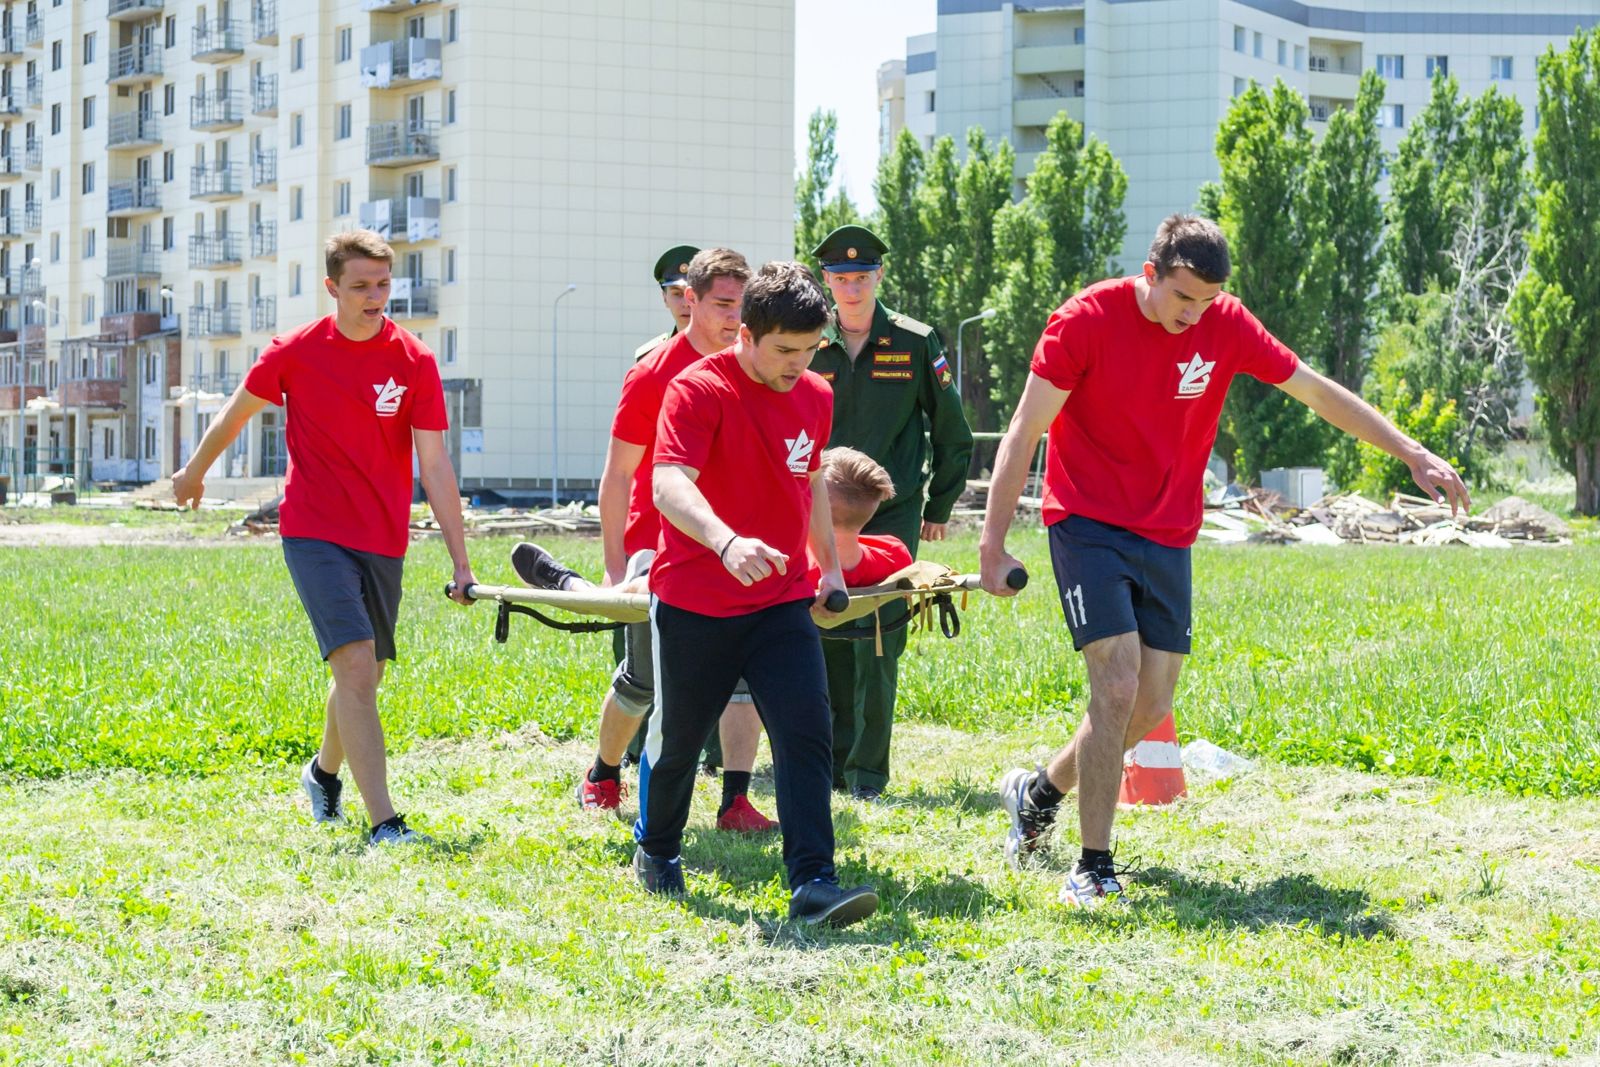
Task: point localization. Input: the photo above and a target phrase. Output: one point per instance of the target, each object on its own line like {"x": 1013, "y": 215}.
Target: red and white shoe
{"x": 600, "y": 796}
{"x": 742, "y": 818}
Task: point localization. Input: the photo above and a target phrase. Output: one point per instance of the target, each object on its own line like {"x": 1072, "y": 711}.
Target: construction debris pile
{"x": 1234, "y": 515}
{"x": 573, "y": 518}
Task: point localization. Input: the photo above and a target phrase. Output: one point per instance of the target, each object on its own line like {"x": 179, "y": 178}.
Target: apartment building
{"x": 168, "y": 171}
{"x": 1153, "y": 78}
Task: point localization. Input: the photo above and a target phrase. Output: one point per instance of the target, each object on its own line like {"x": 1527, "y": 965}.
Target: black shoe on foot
{"x": 539, "y": 568}
{"x": 866, "y": 794}
{"x": 820, "y": 901}
{"x": 658, "y": 876}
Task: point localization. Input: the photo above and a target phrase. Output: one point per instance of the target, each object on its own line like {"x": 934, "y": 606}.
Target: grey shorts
{"x": 348, "y": 595}
{"x": 634, "y": 680}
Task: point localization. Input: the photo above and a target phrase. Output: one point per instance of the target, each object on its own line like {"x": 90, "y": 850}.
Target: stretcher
{"x": 929, "y": 589}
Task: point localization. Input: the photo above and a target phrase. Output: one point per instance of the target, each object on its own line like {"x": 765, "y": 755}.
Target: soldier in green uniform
{"x": 894, "y": 398}
{"x": 670, "y": 271}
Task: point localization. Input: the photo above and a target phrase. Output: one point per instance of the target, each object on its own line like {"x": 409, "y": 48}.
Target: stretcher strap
{"x": 949, "y": 622}
{"x": 502, "y": 622}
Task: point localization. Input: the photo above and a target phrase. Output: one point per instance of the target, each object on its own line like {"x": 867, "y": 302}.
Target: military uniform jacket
{"x": 654, "y": 343}
{"x": 895, "y": 400}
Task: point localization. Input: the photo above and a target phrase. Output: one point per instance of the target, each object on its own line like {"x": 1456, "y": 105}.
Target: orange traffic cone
{"x": 1152, "y": 772}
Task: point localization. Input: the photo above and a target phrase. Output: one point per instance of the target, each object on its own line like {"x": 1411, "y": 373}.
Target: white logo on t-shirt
{"x": 388, "y": 402}
{"x": 799, "y": 452}
{"x": 1196, "y": 375}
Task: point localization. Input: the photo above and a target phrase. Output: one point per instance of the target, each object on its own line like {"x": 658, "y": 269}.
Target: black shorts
{"x": 349, "y": 595}
{"x": 1112, "y": 581}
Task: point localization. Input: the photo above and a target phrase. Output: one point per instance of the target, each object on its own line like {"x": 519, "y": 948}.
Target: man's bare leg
{"x": 740, "y": 731}
{"x": 1158, "y": 684}
{"x": 354, "y": 726}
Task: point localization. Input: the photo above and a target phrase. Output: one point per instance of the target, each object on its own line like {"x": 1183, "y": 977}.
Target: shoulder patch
{"x": 910, "y": 325}
{"x": 649, "y": 346}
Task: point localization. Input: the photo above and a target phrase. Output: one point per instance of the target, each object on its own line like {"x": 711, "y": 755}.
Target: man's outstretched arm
{"x": 189, "y": 483}
{"x": 1342, "y": 408}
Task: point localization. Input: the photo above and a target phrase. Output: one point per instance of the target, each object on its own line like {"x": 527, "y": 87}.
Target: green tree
{"x": 906, "y": 285}
{"x": 1344, "y": 185}
{"x": 1281, "y": 268}
{"x": 815, "y": 214}
{"x": 1556, "y": 309}
{"x": 1423, "y": 179}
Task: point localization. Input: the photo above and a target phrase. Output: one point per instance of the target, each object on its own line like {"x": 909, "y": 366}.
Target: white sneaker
{"x": 327, "y": 802}
{"x": 395, "y": 832}
{"x": 1028, "y": 823}
{"x": 1086, "y": 888}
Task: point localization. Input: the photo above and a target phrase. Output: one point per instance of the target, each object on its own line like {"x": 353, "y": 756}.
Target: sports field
{"x": 1412, "y": 874}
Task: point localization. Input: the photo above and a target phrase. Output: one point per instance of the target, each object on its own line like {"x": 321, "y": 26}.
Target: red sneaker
{"x": 600, "y": 796}
{"x": 742, "y": 817}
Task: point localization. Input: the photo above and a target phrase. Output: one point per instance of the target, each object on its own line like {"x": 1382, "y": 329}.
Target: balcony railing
{"x": 215, "y": 182}
{"x": 33, "y": 32}
{"x": 264, "y": 94}
{"x": 388, "y": 64}
{"x": 264, "y": 168}
{"x": 35, "y": 91}
{"x": 133, "y": 129}
{"x": 264, "y": 22}
{"x": 397, "y": 144}
{"x": 392, "y": 5}
{"x": 137, "y": 62}
{"x": 208, "y": 251}
{"x": 224, "y": 382}
{"x": 33, "y": 154}
{"x": 133, "y": 197}
{"x": 264, "y": 240}
{"x": 32, "y": 216}
{"x": 411, "y": 298}
{"x": 118, "y": 10}
{"x": 402, "y": 218}
{"x": 264, "y": 313}
{"x": 11, "y": 45}
{"x": 10, "y": 224}
{"x": 218, "y": 40}
{"x": 11, "y": 162}
{"x": 213, "y": 110}
{"x": 220, "y": 320}
{"x": 132, "y": 260}
{"x": 23, "y": 281}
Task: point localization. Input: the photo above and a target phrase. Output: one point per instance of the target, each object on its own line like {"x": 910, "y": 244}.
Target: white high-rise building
{"x": 173, "y": 167}
{"x": 1153, "y": 78}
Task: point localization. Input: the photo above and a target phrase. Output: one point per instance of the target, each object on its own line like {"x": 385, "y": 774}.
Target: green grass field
{"x": 1412, "y": 875}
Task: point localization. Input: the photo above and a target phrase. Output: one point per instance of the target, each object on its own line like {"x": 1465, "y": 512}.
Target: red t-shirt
{"x": 1130, "y": 445}
{"x": 881, "y": 556}
{"x": 351, "y": 408}
{"x": 755, "y": 449}
{"x": 643, "y": 389}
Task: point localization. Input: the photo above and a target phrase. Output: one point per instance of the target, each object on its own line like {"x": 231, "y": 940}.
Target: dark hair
{"x": 784, "y": 297}
{"x": 713, "y": 263}
{"x": 1193, "y": 242}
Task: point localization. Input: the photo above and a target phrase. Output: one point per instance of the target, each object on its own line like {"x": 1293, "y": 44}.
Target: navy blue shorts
{"x": 1112, "y": 581}
{"x": 349, "y": 595}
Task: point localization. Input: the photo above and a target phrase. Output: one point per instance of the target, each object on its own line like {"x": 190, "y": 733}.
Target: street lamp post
{"x": 555, "y": 391}
{"x": 986, "y": 313}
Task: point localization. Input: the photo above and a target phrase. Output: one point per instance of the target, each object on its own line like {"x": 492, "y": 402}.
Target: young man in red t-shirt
{"x": 361, "y": 393}
{"x": 630, "y": 528}
{"x": 1129, "y": 378}
{"x": 741, "y": 499}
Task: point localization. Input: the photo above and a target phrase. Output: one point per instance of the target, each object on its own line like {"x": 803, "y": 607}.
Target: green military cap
{"x": 674, "y": 264}
{"x": 850, "y": 248}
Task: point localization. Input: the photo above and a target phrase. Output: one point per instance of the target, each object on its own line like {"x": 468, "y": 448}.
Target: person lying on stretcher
{"x": 856, "y": 486}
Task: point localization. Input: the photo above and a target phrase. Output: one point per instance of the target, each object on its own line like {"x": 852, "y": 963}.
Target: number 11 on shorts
{"x": 1075, "y": 612}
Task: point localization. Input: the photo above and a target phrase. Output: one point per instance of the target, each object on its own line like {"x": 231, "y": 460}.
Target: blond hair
{"x": 856, "y": 485}
{"x": 354, "y": 244}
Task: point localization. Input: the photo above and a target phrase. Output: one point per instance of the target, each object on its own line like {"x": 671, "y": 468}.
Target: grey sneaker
{"x": 1089, "y": 887}
{"x": 327, "y": 801}
{"x": 539, "y": 568}
{"x": 1028, "y": 823}
{"x": 821, "y": 901}
{"x": 659, "y": 876}
{"x": 394, "y": 831}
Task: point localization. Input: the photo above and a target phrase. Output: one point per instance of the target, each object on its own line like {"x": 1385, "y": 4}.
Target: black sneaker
{"x": 325, "y": 792}
{"x": 821, "y": 901}
{"x": 866, "y": 794}
{"x": 538, "y": 568}
{"x": 658, "y": 876}
{"x": 1028, "y": 822}
{"x": 394, "y": 831}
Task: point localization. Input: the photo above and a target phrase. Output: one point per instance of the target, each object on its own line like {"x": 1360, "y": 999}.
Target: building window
{"x": 88, "y": 49}
{"x": 88, "y": 243}
{"x": 297, "y": 130}
{"x": 169, "y": 100}
{"x": 55, "y": 55}
{"x": 346, "y": 46}
{"x": 1238, "y": 39}
{"x": 294, "y": 279}
{"x": 1258, "y": 42}
{"x": 929, "y": 101}
{"x": 1283, "y": 52}
{"x": 1392, "y": 116}
{"x": 450, "y": 108}
{"x": 55, "y": 118}
{"x": 1238, "y": 87}
{"x": 447, "y": 345}
{"x": 341, "y": 123}
{"x": 450, "y": 185}
{"x": 297, "y": 53}
{"x": 297, "y": 203}
{"x": 88, "y": 178}
{"x": 1499, "y": 68}
{"x": 172, "y": 31}
{"x": 169, "y": 165}
{"x": 1438, "y": 65}
{"x": 88, "y": 310}
{"x": 449, "y": 270}
{"x": 1392, "y": 68}
{"x": 1299, "y": 57}
{"x": 452, "y": 31}
{"x": 55, "y": 184}
{"x": 150, "y": 439}
{"x": 341, "y": 198}
{"x": 55, "y": 248}
{"x": 169, "y": 234}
